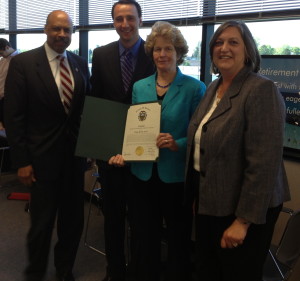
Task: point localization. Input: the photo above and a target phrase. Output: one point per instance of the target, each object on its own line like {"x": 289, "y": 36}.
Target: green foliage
{"x": 296, "y": 50}
{"x": 266, "y": 50}
{"x": 76, "y": 51}
{"x": 90, "y": 56}
{"x": 196, "y": 53}
{"x": 283, "y": 50}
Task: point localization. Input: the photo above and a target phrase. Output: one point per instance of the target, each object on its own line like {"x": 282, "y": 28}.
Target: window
{"x": 192, "y": 35}
{"x": 29, "y": 16}
{"x": 100, "y": 11}
{"x": 248, "y": 6}
{"x": 3, "y": 14}
{"x": 26, "y": 42}
{"x": 276, "y": 37}
{"x": 254, "y": 9}
{"x": 5, "y": 36}
{"x": 32, "y": 14}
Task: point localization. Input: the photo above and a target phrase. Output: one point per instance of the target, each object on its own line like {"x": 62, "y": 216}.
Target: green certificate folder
{"x": 102, "y": 130}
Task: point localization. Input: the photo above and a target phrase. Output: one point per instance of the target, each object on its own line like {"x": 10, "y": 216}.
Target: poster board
{"x": 285, "y": 72}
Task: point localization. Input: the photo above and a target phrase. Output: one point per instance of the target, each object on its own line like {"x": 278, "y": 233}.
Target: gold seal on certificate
{"x": 141, "y": 130}
{"x": 139, "y": 151}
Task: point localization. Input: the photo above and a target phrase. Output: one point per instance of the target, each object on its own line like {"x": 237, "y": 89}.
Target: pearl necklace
{"x": 161, "y": 86}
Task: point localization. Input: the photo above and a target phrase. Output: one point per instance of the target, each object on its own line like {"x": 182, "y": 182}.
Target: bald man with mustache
{"x": 42, "y": 128}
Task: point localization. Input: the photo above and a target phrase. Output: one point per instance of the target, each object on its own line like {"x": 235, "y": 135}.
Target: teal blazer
{"x": 178, "y": 107}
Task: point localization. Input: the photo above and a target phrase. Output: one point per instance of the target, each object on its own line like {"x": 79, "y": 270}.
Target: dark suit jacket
{"x": 39, "y": 131}
{"x": 241, "y": 147}
{"x": 106, "y": 77}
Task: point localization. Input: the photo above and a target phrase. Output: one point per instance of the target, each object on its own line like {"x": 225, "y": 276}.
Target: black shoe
{"x": 109, "y": 278}
{"x": 68, "y": 277}
{"x": 106, "y": 278}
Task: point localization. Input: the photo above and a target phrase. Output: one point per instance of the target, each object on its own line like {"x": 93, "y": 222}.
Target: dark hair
{"x": 170, "y": 32}
{"x": 252, "y": 53}
{"x": 4, "y": 43}
{"x": 127, "y": 2}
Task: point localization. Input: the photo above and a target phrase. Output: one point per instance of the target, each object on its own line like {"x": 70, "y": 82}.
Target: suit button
{"x": 202, "y": 173}
{"x": 201, "y": 151}
{"x": 204, "y": 128}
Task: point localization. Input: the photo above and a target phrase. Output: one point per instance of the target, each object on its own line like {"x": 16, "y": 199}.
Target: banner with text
{"x": 285, "y": 72}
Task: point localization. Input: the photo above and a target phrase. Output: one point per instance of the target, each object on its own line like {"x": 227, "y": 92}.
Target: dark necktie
{"x": 65, "y": 84}
{"x": 127, "y": 69}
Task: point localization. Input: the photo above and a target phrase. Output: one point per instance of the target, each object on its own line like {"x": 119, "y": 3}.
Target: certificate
{"x": 141, "y": 131}
{"x": 102, "y": 131}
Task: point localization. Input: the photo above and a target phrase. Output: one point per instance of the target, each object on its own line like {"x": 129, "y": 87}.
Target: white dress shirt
{"x": 197, "y": 137}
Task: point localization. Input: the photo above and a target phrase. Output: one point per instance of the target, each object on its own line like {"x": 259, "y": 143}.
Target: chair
{"x": 282, "y": 258}
{"x": 95, "y": 197}
{"x": 3, "y": 147}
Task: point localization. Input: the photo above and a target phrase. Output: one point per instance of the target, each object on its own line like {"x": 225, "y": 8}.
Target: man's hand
{"x": 26, "y": 175}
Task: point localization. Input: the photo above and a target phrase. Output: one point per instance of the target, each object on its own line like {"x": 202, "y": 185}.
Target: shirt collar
{"x": 134, "y": 49}
{"x": 14, "y": 53}
{"x": 51, "y": 54}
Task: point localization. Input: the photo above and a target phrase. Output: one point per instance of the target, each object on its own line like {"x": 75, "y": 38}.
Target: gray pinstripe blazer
{"x": 242, "y": 170}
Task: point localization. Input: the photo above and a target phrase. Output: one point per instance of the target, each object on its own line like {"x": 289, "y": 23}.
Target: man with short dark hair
{"x": 110, "y": 81}
{"x": 44, "y": 95}
{"x": 6, "y": 52}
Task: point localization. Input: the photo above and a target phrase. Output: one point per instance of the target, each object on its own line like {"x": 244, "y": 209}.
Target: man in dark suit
{"x": 108, "y": 82}
{"x": 42, "y": 128}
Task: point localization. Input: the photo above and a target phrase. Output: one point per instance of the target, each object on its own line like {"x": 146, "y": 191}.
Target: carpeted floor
{"x": 14, "y": 223}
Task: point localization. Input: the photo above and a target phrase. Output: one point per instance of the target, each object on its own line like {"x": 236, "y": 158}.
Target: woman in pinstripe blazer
{"x": 234, "y": 161}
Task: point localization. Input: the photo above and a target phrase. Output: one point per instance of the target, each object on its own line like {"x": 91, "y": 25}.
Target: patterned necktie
{"x": 127, "y": 69}
{"x": 65, "y": 84}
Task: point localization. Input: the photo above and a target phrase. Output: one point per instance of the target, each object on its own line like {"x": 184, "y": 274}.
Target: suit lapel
{"x": 232, "y": 91}
{"x": 76, "y": 74}
{"x": 151, "y": 88}
{"x": 114, "y": 66}
{"x": 45, "y": 74}
{"x": 202, "y": 107}
{"x": 174, "y": 89}
{"x": 222, "y": 107}
{"x": 77, "y": 79}
{"x": 141, "y": 64}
